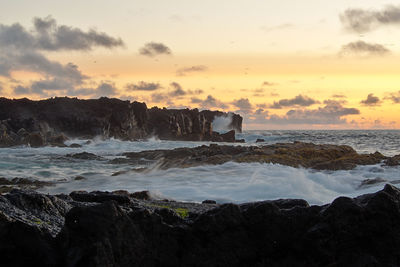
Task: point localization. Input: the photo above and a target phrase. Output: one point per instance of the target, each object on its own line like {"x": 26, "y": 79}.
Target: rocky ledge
{"x": 52, "y": 121}
{"x": 297, "y": 154}
{"x": 117, "y": 229}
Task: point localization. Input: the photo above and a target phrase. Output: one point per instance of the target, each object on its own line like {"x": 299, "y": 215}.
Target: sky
{"x": 287, "y": 64}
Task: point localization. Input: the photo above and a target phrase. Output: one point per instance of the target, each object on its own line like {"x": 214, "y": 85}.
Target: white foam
{"x": 221, "y": 124}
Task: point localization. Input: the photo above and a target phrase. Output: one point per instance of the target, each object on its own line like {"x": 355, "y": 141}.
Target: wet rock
{"x": 393, "y": 161}
{"x": 35, "y": 140}
{"x": 84, "y": 155}
{"x": 22, "y": 183}
{"x": 209, "y": 202}
{"x": 79, "y": 178}
{"x": 74, "y": 145}
{"x": 260, "y": 140}
{"x": 370, "y": 182}
{"x": 144, "y": 195}
{"x": 97, "y": 196}
{"x": 297, "y": 154}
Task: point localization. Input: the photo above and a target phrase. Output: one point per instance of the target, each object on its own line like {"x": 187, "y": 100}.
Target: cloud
{"x": 361, "y": 48}
{"x": 153, "y": 49}
{"x": 105, "y": 88}
{"x": 21, "y": 90}
{"x": 395, "y": 97}
{"x": 266, "y": 83}
{"x": 329, "y": 114}
{"x": 178, "y": 90}
{"x": 300, "y": 100}
{"x": 371, "y": 100}
{"x": 23, "y": 50}
{"x": 143, "y": 86}
{"x": 187, "y": 70}
{"x": 209, "y": 102}
{"x": 243, "y": 104}
{"x": 48, "y": 36}
{"x": 361, "y": 20}
{"x": 338, "y": 96}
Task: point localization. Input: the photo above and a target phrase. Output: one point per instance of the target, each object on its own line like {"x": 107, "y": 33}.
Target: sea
{"x": 229, "y": 182}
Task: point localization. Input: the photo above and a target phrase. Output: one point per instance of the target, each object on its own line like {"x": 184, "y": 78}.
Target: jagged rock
{"x": 393, "y": 161}
{"x": 35, "y": 140}
{"x": 297, "y": 154}
{"x": 144, "y": 195}
{"x": 360, "y": 231}
{"x": 56, "y": 118}
{"x": 97, "y": 196}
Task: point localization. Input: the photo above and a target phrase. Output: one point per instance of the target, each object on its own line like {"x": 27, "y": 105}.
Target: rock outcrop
{"x": 114, "y": 229}
{"x": 49, "y": 122}
{"x": 297, "y": 154}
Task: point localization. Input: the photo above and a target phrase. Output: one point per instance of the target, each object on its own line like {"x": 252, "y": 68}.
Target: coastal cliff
{"x": 51, "y": 121}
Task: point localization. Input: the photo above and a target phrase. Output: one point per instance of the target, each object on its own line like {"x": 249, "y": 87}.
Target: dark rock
{"x": 298, "y": 154}
{"x": 97, "y": 196}
{"x": 56, "y": 118}
{"x": 35, "y": 140}
{"x": 84, "y": 155}
{"x": 144, "y": 195}
{"x": 360, "y": 231}
{"x": 260, "y": 140}
{"x": 393, "y": 161}
{"x": 209, "y": 202}
{"x": 369, "y": 182}
{"x": 240, "y": 141}
{"x": 79, "y": 178}
{"x": 22, "y": 183}
{"x": 74, "y": 145}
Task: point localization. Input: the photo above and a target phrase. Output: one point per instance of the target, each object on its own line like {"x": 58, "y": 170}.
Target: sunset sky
{"x": 287, "y": 64}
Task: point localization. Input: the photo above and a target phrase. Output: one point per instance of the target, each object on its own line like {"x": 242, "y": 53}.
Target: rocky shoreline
{"x": 53, "y": 121}
{"x": 123, "y": 229}
{"x": 297, "y": 154}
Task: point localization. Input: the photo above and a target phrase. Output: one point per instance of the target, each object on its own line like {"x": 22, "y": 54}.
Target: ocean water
{"x": 230, "y": 182}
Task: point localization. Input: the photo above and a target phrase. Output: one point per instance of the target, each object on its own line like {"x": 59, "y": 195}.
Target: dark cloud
{"x": 395, "y": 97}
{"x": 361, "y": 48}
{"x": 177, "y": 89}
{"x": 48, "y": 36}
{"x": 105, "y": 88}
{"x": 209, "y": 102}
{"x": 300, "y": 100}
{"x": 159, "y": 97}
{"x": 243, "y": 104}
{"x": 371, "y": 100}
{"x": 362, "y": 20}
{"x": 334, "y": 102}
{"x": 153, "y": 49}
{"x": 268, "y": 84}
{"x": 187, "y": 70}
{"x": 22, "y": 50}
{"x": 143, "y": 86}
{"x": 21, "y": 90}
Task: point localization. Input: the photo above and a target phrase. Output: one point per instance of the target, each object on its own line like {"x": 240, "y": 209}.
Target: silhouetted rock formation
{"x": 114, "y": 229}
{"x": 48, "y": 122}
{"x": 297, "y": 154}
